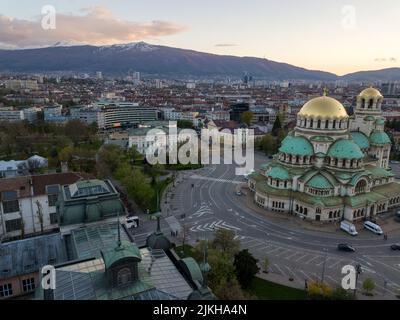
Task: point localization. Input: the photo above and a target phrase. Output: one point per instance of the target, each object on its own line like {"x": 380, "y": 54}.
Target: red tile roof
{"x": 39, "y": 182}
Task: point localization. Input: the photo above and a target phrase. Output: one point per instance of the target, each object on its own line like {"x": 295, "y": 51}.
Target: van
{"x": 132, "y": 222}
{"x": 348, "y": 227}
{"x": 373, "y": 227}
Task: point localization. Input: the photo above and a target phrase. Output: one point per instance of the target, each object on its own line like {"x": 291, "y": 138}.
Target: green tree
{"x": 268, "y": 144}
{"x": 246, "y": 117}
{"x": 224, "y": 240}
{"x": 229, "y": 290}
{"x": 319, "y": 290}
{"x": 277, "y": 126}
{"x": 368, "y": 286}
{"x": 185, "y": 124}
{"x": 246, "y": 267}
{"x": 266, "y": 264}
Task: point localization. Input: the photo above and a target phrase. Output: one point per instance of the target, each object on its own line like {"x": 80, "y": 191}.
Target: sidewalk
{"x": 390, "y": 226}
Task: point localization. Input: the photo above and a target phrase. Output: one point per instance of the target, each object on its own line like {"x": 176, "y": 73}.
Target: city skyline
{"x": 340, "y": 37}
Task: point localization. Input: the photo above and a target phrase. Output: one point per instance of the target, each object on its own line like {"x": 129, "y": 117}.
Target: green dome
{"x": 345, "y": 149}
{"x": 298, "y": 146}
{"x": 126, "y": 250}
{"x": 361, "y": 139}
{"x": 279, "y": 173}
{"x": 369, "y": 118}
{"x": 380, "y": 122}
{"x": 319, "y": 182}
{"x": 379, "y": 138}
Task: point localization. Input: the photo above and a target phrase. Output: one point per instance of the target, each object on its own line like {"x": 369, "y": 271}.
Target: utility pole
{"x": 323, "y": 268}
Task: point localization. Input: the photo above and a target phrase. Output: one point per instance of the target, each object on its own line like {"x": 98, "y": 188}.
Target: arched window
{"x": 334, "y": 124}
{"x": 319, "y": 124}
{"x": 124, "y": 276}
{"x": 370, "y": 103}
{"x": 361, "y": 186}
{"x": 363, "y": 103}
{"x": 311, "y": 123}
{"x": 326, "y": 124}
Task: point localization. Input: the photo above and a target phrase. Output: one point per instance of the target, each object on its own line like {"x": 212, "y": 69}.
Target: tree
{"x": 268, "y": 144}
{"x": 266, "y": 264}
{"x": 224, "y": 240}
{"x": 277, "y": 126}
{"x": 185, "y": 124}
{"x": 77, "y": 131}
{"x": 229, "y": 290}
{"x": 247, "y": 117}
{"x": 183, "y": 236}
{"x": 40, "y": 215}
{"x": 368, "y": 286}
{"x": 319, "y": 290}
{"x": 246, "y": 267}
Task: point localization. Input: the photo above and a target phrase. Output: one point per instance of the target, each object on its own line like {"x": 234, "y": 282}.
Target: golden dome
{"x": 370, "y": 93}
{"x": 323, "y": 107}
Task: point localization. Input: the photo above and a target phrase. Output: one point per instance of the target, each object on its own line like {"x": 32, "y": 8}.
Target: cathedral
{"x": 332, "y": 166}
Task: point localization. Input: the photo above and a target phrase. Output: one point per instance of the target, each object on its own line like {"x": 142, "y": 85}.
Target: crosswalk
{"x": 299, "y": 266}
{"x": 202, "y": 211}
{"x": 212, "y": 226}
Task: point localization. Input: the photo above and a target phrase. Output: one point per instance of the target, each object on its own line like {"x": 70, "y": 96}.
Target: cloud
{"x": 225, "y": 45}
{"x": 391, "y": 59}
{"x": 95, "y": 25}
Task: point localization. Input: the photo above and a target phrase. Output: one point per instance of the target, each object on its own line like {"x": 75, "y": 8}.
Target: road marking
{"x": 276, "y": 248}
{"x": 305, "y": 274}
{"x": 291, "y": 273}
{"x": 282, "y": 252}
{"x": 315, "y": 258}
{"x": 279, "y": 269}
{"x": 304, "y": 255}
{"x": 292, "y": 255}
{"x": 335, "y": 264}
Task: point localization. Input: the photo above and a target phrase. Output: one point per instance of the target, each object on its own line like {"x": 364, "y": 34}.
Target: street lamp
{"x": 323, "y": 268}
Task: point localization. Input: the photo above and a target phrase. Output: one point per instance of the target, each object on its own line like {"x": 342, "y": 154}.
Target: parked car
{"x": 345, "y": 247}
{"x": 395, "y": 246}
{"x": 238, "y": 193}
{"x": 397, "y": 216}
{"x": 132, "y": 222}
{"x": 348, "y": 227}
{"x": 373, "y": 227}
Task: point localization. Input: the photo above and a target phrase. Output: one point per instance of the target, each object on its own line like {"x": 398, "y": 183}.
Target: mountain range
{"x": 165, "y": 61}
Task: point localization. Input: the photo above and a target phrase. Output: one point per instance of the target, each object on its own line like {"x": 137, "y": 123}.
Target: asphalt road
{"x": 293, "y": 252}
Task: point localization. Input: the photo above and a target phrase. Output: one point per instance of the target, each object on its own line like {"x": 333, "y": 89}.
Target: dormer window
{"x": 124, "y": 276}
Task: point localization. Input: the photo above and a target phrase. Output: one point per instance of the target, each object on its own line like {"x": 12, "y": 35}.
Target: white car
{"x": 373, "y": 227}
{"x": 348, "y": 227}
{"x": 132, "y": 222}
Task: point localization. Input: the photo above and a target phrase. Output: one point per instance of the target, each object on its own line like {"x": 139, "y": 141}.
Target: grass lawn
{"x": 266, "y": 290}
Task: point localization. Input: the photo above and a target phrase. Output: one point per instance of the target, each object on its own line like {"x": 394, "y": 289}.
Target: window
{"x": 53, "y": 218}
{"x": 10, "y": 206}
{"x": 52, "y": 194}
{"x": 28, "y": 284}
{"x": 13, "y": 225}
{"x": 10, "y": 201}
{"x": 124, "y": 276}
{"x": 6, "y": 290}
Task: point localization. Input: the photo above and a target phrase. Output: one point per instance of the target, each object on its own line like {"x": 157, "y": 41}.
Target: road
{"x": 293, "y": 252}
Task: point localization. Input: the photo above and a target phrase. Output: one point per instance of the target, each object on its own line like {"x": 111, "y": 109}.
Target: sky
{"x": 339, "y": 36}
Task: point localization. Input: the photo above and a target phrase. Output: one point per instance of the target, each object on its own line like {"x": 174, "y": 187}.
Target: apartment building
{"x": 28, "y": 203}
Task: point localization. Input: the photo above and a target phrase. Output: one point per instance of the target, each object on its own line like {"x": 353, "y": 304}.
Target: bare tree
{"x": 40, "y": 215}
